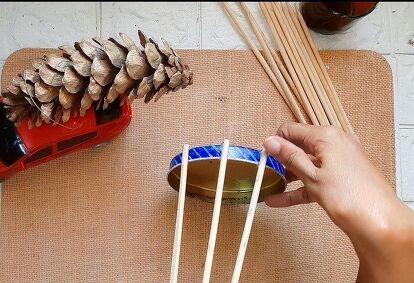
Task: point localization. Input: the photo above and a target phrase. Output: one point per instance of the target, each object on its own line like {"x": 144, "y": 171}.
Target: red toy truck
{"x": 21, "y": 147}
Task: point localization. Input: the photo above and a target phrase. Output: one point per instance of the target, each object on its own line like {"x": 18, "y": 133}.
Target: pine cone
{"x": 94, "y": 75}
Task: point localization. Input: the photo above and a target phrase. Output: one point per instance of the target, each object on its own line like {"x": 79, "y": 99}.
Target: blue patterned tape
{"x": 235, "y": 153}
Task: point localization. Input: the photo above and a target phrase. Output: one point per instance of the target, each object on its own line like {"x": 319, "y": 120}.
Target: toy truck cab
{"x": 21, "y": 147}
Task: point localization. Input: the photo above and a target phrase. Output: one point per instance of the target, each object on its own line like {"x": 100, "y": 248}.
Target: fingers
{"x": 312, "y": 139}
{"x": 290, "y": 176}
{"x": 302, "y": 135}
{"x": 294, "y": 158}
{"x": 315, "y": 161}
{"x": 299, "y": 196}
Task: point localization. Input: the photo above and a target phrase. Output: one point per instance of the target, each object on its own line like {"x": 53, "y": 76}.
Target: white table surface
{"x": 388, "y": 30}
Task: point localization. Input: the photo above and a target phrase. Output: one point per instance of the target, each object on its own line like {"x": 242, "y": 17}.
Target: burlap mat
{"x": 108, "y": 214}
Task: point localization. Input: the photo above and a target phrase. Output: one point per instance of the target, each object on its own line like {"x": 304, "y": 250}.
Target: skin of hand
{"x": 337, "y": 174}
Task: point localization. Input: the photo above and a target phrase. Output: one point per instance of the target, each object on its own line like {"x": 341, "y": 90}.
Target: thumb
{"x": 299, "y": 196}
{"x": 293, "y": 158}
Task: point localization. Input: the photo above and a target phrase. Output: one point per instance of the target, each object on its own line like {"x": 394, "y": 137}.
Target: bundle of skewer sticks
{"x": 300, "y": 76}
{"x": 216, "y": 215}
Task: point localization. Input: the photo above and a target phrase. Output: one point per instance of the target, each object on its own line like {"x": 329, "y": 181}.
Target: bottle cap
{"x": 242, "y": 164}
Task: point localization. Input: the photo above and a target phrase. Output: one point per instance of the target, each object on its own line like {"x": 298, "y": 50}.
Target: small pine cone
{"x": 94, "y": 74}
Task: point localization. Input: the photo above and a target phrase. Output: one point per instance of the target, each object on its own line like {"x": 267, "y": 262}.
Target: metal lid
{"x": 203, "y": 168}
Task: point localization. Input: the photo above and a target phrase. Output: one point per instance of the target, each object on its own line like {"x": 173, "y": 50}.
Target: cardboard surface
{"x": 108, "y": 214}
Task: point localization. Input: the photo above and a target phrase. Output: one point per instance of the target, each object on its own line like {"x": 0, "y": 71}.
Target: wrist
{"x": 400, "y": 233}
{"x": 389, "y": 246}
{"x": 384, "y": 222}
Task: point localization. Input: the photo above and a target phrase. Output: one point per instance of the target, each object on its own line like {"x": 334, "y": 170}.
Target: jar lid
{"x": 242, "y": 164}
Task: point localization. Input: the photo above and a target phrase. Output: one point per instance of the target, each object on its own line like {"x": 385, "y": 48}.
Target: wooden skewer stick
{"x": 292, "y": 65}
{"x": 180, "y": 215}
{"x": 285, "y": 73}
{"x": 333, "y": 96}
{"x": 292, "y": 80}
{"x": 290, "y": 101}
{"x": 290, "y": 11}
{"x": 272, "y": 62}
{"x": 282, "y": 68}
{"x": 267, "y": 48}
{"x": 295, "y": 42}
{"x": 216, "y": 212}
{"x": 290, "y": 76}
{"x": 297, "y": 63}
{"x": 249, "y": 219}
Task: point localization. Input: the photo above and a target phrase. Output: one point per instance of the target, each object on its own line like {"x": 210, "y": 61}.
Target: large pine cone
{"x": 94, "y": 74}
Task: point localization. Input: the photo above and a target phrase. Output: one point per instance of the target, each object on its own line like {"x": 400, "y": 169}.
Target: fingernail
{"x": 266, "y": 202}
{"x": 272, "y": 145}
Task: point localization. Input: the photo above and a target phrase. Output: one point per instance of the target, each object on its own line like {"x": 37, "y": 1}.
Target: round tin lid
{"x": 203, "y": 168}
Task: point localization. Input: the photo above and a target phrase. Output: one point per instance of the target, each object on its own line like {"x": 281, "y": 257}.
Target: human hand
{"x": 337, "y": 174}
